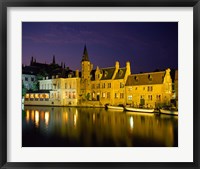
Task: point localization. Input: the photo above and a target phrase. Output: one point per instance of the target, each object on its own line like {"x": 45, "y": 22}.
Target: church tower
{"x": 85, "y": 75}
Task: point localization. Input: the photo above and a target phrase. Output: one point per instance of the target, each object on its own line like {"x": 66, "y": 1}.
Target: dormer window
{"x": 136, "y": 78}
{"x": 150, "y": 77}
{"x": 105, "y": 74}
{"x": 120, "y": 73}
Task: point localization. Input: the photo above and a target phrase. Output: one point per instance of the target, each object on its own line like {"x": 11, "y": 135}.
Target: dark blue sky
{"x": 147, "y": 45}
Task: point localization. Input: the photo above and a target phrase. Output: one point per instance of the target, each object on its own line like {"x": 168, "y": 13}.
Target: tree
{"x": 24, "y": 90}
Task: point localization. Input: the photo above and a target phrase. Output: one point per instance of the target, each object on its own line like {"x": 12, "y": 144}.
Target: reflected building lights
{"x": 27, "y": 116}
{"x": 131, "y": 123}
{"x": 93, "y": 117}
{"x": 46, "y": 118}
{"x": 37, "y": 118}
{"x": 75, "y": 119}
{"x": 66, "y": 117}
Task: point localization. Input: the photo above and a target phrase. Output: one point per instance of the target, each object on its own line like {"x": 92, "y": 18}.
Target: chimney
{"x": 117, "y": 65}
{"x": 128, "y": 67}
{"x": 77, "y": 73}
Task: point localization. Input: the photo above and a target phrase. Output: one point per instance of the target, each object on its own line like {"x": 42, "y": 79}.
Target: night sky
{"x": 147, "y": 45}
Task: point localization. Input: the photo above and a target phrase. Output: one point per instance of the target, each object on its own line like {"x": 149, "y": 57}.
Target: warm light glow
{"x": 37, "y": 96}
{"x": 37, "y": 118}
{"x": 27, "y": 96}
{"x": 31, "y": 95}
{"x": 66, "y": 116}
{"x": 131, "y": 123}
{"x": 27, "y": 116}
{"x": 32, "y": 116}
{"x": 75, "y": 120}
{"x": 46, "y": 118}
{"x": 93, "y": 117}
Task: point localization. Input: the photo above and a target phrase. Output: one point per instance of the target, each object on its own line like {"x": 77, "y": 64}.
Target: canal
{"x": 96, "y": 127}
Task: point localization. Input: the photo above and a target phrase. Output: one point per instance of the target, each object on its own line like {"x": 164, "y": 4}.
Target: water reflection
{"x": 68, "y": 126}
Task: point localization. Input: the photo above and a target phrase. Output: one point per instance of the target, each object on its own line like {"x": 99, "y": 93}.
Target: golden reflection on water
{"x": 99, "y": 125}
{"x": 46, "y": 117}
{"x": 131, "y": 122}
{"x": 37, "y": 118}
{"x": 27, "y": 116}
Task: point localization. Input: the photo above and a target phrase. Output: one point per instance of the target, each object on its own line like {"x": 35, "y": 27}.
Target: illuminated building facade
{"x": 112, "y": 85}
{"x": 55, "y": 92}
{"x": 150, "y": 90}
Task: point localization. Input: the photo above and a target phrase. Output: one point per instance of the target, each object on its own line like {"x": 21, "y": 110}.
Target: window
{"x": 103, "y": 85}
{"x": 121, "y": 85}
{"x": 150, "y": 77}
{"x": 136, "y": 88}
{"x": 103, "y": 94}
{"x": 121, "y": 95}
{"x": 98, "y": 86}
{"x": 158, "y": 97}
{"x": 32, "y": 79}
{"x": 143, "y": 88}
{"x": 150, "y": 97}
{"x": 150, "y": 88}
{"x": 109, "y": 85}
{"x": 130, "y": 97}
{"x": 116, "y": 95}
{"x": 65, "y": 85}
{"x": 26, "y": 78}
{"x": 129, "y": 88}
{"x": 108, "y": 95}
{"x": 74, "y": 95}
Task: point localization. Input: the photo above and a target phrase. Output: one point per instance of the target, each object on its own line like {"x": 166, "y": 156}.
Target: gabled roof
{"x": 121, "y": 73}
{"x": 145, "y": 78}
{"x": 107, "y": 73}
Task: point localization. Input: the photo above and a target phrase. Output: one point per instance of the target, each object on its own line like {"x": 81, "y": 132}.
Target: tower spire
{"x": 54, "y": 59}
{"x": 85, "y": 54}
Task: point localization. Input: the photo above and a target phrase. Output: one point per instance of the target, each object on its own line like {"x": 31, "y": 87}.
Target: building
{"x": 29, "y": 81}
{"x": 176, "y": 86}
{"x": 104, "y": 85}
{"x": 151, "y": 89}
{"x": 108, "y": 84}
{"x": 98, "y": 87}
{"x": 55, "y": 92}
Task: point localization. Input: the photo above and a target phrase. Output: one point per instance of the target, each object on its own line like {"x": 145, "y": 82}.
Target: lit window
{"x": 130, "y": 97}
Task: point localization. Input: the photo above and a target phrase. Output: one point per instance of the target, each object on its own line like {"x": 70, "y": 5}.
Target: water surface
{"x": 96, "y": 127}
